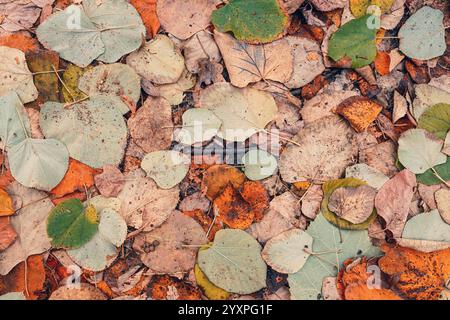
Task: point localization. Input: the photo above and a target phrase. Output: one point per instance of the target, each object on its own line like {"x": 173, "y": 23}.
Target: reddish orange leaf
{"x": 217, "y": 178}
{"x": 165, "y": 287}
{"x": 359, "y": 111}
{"x": 6, "y": 204}
{"x": 7, "y": 233}
{"x": 19, "y": 41}
{"x": 232, "y": 209}
{"x": 205, "y": 221}
{"x": 382, "y": 63}
{"x": 78, "y": 177}
{"x": 147, "y": 10}
{"x": 256, "y": 195}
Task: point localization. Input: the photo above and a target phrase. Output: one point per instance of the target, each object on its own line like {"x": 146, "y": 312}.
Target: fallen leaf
{"x": 436, "y": 120}
{"x": 198, "y": 125}
{"x": 372, "y": 176}
{"x": 6, "y": 204}
{"x": 359, "y": 111}
{"x": 442, "y": 197}
{"x": 198, "y": 48}
{"x": 209, "y": 289}
{"x": 166, "y": 168}
{"x": 110, "y": 182}
{"x": 84, "y": 292}
{"x": 147, "y": 11}
{"x": 21, "y": 41}
{"x": 382, "y": 63}
{"x": 7, "y": 233}
{"x": 165, "y": 287}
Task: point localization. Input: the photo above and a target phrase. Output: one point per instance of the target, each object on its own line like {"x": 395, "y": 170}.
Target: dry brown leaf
{"x": 400, "y": 107}
{"x": 147, "y": 11}
{"x": 195, "y": 201}
{"x": 290, "y": 6}
{"x": 167, "y": 249}
{"x": 18, "y": 15}
{"x": 353, "y": 204}
{"x": 208, "y": 224}
{"x": 184, "y": 18}
{"x": 248, "y": 63}
{"x": 217, "y": 178}
{"x": 199, "y": 48}
{"x": 110, "y": 182}
{"x": 311, "y": 201}
{"x": 165, "y": 287}
{"x": 84, "y": 292}
{"x": 7, "y": 233}
{"x": 152, "y": 128}
{"x": 359, "y": 111}
{"x": 79, "y": 177}
{"x": 329, "y": 5}
{"x": 442, "y": 197}
{"x": 381, "y": 156}
{"x": 392, "y": 202}
{"x": 256, "y": 195}
{"x": 420, "y": 276}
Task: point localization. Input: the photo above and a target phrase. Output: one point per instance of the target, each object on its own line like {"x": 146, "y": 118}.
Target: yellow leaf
{"x": 209, "y": 289}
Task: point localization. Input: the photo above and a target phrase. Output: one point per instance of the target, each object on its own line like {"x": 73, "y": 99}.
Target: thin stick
{"x": 75, "y": 102}
{"x": 26, "y": 277}
{"x": 62, "y": 82}
{"x": 281, "y": 138}
{"x": 439, "y": 177}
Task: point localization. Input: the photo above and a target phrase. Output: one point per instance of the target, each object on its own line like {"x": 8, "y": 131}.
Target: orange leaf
{"x": 232, "y": 209}
{"x": 15, "y": 280}
{"x": 147, "y": 11}
{"x": 75, "y": 195}
{"x": 5, "y": 178}
{"x": 19, "y": 41}
{"x": 418, "y": 275}
{"x": 256, "y": 195}
{"x": 205, "y": 221}
{"x": 359, "y": 111}
{"x": 7, "y": 233}
{"x": 165, "y": 287}
{"x": 361, "y": 291}
{"x": 6, "y": 204}
{"x": 78, "y": 177}
{"x": 217, "y": 178}
{"x": 382, "y": 63}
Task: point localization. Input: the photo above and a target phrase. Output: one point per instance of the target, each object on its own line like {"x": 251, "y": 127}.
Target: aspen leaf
{"x": 217, "y": 178}
{"x": 359, "y": 111}
{"x": 436, "y": 120}
{"x": 6, "y": 205}
{"x": 198, "y": 125}
{"x": 166, "y": 168}
{"x": 209, "y": 289}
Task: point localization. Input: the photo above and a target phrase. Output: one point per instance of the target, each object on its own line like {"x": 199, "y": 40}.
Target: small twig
{"x": 62, "y": 82}
{"x": 67, "y": 105}
{"x": 439, "y": 177}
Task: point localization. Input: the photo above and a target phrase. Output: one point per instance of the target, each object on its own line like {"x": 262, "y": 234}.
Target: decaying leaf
{"x": 165, "y": 287}
{"x": 359, "y": 111}
{"x": 442, "y": 197}
{"x": 217, "y": 178}
{"x": 6, "y": 204}
{"x": 84, "y": 292}
{"x": 7, "y": 233}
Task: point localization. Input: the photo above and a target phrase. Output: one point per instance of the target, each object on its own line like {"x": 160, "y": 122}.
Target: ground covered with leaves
{"x": 209, "y": 149}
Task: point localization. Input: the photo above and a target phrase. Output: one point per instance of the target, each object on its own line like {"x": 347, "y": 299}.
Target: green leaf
{"x": 356, "y": 41}
{"x": 422, "y": 36}
{"x": 167, "y": 168}
{"x": 71, "y": 225}
{"x": 94, "y": 131}
{"x": 257, "y": 21}
{"x": 234, "y": 262}
{"x": 419, "y": 151}
{"x": 39, "y": 163}
{"x": 436, "y": 119}
{"x": 334, "y": 246}
{"x": 328, "y": 188}
{"x": 83, "y": 33}
{"x": 14, "y": 123}
{"x": 259, "y": 164}
{"x": 429, "y": 178}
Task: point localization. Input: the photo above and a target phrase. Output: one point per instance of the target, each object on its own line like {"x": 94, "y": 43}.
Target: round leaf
{"x": 167, "y": 168}
{"x": 259, "y": 164}
{"x": 198, "y": 125}
{"x": 436, "y": 119}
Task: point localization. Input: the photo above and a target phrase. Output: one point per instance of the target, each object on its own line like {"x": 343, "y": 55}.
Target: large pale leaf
{"x": 166, "y": 168}
{"x": 15, "y": 75}
{"x": 14, "y": 122}
{"x": 427, "y": 226}
{"x": 259, "y": 164}
{"x": 248, "y": 63}
{"x": 243, "y": 112}
{"x": 341, "y": 245}
{"x": 354, "y": 40}
{"x": 198, "y": 125}
{"x": 436, "y": 119}
{"x": 71, "y": 225}
{"x": 422, "y": 36}
{"x": 286, "y": 253}
{"x": 104, "y": 30}
{"x": 234, "y": 262}
{"x": 39, "y": 163}
{"x": 94, "y": 131}
{"x": 258, "y": 21}
{"x": 419, "y": 151}
{"x": 117, "y": 78}
{"x": 323, "y": 149}
{"x": 158, "y": 61}
{"x": 30, "y": 224}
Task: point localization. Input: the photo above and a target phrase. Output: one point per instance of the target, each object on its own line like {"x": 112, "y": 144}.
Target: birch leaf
{"x": 158, "y": 61}
{"x": 419, "y": 151}
{"x": 234, "y": 262}
{"x": 253, "y": 22}
{"x": 15, "y": 75}
{"x": 285, "y": 252}
{"x": 94, "y": 131}
{"x": 248, "y": 63}
{"x": 422, "y": 36}
{"x": 30, "y": 225}
{"x": 243, "y": 112}
{"x": 114, "y": 79}
{"x": 166, "y": 168}
{"x": 306, "y": 284}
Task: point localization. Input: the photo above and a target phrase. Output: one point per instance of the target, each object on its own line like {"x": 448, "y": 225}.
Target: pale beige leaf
{"x": 200, "y": 47}
{"x": 442, "y": 197}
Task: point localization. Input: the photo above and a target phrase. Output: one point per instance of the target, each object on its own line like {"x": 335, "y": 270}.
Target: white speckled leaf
{"x": 307, "y": 283}
{"x": 422, "y": 36}
{"x": 39, "y": 163}
{"x": 243, "y": 112}
{"x": 94, "y": 131}
{"x": 15, "y": 75}
{"x": 234, "y": 262}
{"x": 14, "y": 122}
{"x": 30, "y": 223}
{"x": 111, "y": 79}
{"x": 419, "y": 151}
{"x": 158, "y": 61}
{"x": 285, "y": 252}
{"x": 167, "y": 168}
{"x": 259, "y": 164}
